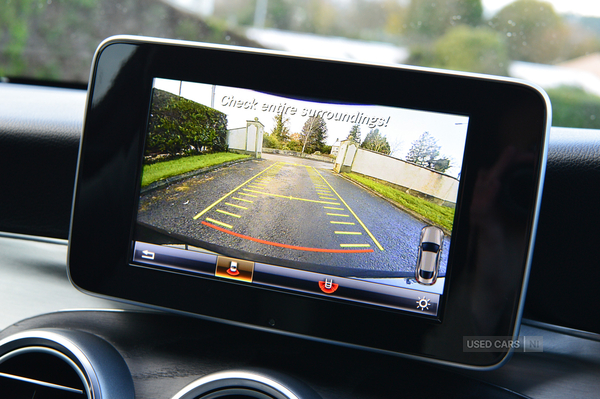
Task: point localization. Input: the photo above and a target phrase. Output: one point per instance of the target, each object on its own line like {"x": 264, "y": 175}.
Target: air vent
{"x": 246, "y": 385}
{"x": 62, "y": 364}
{"x": 41, "y": 372}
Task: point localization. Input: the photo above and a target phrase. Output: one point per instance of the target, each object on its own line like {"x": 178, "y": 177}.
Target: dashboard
{"x": 165, "y": 353}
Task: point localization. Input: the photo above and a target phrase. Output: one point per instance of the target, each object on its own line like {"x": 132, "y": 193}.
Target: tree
{"x": 533, "y": 31}
{"x": 426, "y": 152}
{"x": 470, "y": 49}
{"x": 314, "y": 134}
{"x": 431, "y": 18}
{"x": 376, "y": 142}
{"x": 354, "y": 133}
{"x": 34, "y": 33}
{"x": 281, "y": 132}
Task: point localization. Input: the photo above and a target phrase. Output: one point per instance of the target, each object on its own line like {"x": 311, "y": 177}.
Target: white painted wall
{"x": 236, "y": 138}
{"x": 248, "y": 138}
{"x": 406, "y": 174}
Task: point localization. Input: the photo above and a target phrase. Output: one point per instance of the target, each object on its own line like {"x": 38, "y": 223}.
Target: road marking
{"x": 277, "y": 244}
{"x": 232, "y": 191}
{"x": 349, "y": 223}
{"x": 353, "y": 233}
{"x": 332, "y": 207}
{"x": 351, "y": 211}
{"x": 241, "y": 199}
{"x": 249, "y": 195}
{"x": 327, "y": 198}
{"x": 219, "y": 223}
{"x": 354, "y": 245}
{"x": 290, "y": 197}
{"x": 338, "y": 214}
{"x": 236, "y": 206}
{"x": 228, "y": 213}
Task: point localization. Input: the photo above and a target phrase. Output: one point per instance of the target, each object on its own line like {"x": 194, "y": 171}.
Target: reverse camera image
{"x": 342, "y": 189}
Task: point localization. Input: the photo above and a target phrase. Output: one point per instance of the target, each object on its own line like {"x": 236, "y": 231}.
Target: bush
{"x": 294, "y": 145}
{"x": 472, "y": 50}
{"x": 178, "y": 125}
{"x": 574, "y": 107}
{"x": 270, "y": 141}
{"x": 464, "y": 48}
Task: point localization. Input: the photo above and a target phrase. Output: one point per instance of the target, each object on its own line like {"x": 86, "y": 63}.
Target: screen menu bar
{"x": 296, "y": 280}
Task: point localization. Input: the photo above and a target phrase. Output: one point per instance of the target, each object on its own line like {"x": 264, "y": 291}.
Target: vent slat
{"x": 41, "y": 383}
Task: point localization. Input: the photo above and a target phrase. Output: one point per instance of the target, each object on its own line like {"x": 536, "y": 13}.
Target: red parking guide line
{"x": 277, "y": 244}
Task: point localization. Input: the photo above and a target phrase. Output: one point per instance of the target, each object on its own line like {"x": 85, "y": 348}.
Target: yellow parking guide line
{"x": 232, "y": 191}
{"x": 291, "y": 198}
{"x": 352, "y": 212}
{"x": 228, "y": 213}
{"x": 235, "y": 206}
{"x": 338, "y": 214}
{"x": 352, "y": 233}
{"x": 348, "y": 223}
{"x": 249, "y": 195}
{"x": 219, "y": 223}
{"x": 241, "y": 199}
{"x": 334, "y": 208}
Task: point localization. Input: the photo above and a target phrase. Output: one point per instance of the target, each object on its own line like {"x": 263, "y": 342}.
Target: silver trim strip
{"x": 27, "y": 237}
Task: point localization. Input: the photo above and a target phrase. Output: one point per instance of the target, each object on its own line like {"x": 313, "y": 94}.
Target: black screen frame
{"x": 504, "y": 116}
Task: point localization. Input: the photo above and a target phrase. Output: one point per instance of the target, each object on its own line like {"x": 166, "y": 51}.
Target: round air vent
{"x": 37, "y": 371}
{"x": 246, "y": 385}
{"x": 65, "y": 364}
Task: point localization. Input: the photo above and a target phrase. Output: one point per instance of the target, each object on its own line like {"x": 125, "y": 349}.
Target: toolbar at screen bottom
{"x": 350, "y": 289}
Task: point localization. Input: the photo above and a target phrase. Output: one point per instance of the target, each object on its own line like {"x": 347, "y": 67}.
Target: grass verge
{"x": 440, "y": 215}
{"x": 162, "y": 170}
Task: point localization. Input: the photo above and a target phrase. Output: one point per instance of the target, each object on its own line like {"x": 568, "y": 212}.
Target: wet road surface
{"x": 288, "y": 208}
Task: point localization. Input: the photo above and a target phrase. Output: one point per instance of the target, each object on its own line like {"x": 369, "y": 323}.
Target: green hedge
{"x": 181, "y": 126}
{"x": 573, "y": 107}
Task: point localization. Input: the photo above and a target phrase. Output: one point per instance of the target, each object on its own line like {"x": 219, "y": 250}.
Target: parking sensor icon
{"x": 233, "y": 269}
{"x": 328, "y": 286}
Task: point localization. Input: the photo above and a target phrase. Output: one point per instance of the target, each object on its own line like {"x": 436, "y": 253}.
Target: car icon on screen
{"x": 430, "y": 251}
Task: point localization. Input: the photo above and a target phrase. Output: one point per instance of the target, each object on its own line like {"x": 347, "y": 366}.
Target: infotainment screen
{"x": 348, "y": 201}
{"x": 382, "y": 207}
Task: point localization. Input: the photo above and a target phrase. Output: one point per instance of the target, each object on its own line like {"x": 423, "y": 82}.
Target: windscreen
{"x": 353, "y": 202}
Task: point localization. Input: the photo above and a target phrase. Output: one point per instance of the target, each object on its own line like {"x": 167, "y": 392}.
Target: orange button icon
{"x": 236, "y": 269}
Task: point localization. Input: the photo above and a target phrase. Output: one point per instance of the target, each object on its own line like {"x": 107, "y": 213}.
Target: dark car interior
{"x": 61, "y": 343}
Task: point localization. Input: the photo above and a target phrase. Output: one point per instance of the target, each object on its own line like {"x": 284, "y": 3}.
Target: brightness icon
{"x": 422, "y": 303}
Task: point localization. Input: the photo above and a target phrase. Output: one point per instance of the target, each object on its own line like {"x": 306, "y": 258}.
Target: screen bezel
{"x": 502, "y": 114}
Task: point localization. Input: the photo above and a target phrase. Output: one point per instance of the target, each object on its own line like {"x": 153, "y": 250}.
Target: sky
{"x": 400, "y": 126}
